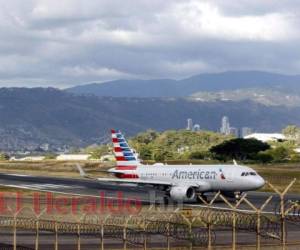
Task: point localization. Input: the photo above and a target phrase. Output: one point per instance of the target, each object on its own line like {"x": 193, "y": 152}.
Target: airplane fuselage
{"x": 204, "y": 177}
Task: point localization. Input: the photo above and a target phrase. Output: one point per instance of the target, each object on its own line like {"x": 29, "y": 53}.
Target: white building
{"x": 196, "y": 127}
{"x": 234, "y": 131}
{"x": 246, "y": 131}
{"x": 225, "y": 127}
{"x": 189, "y": 124}
{"x": 28, "y": 158}
{"x": 73, "y": 157}
{"x": 265, "y": 137}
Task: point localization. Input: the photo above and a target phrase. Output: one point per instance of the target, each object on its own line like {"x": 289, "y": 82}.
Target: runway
{"x": 90, "y": 187}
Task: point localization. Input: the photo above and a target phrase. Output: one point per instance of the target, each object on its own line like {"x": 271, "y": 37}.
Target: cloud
{"x": 206, "y": 19}
{"x": 90, "y": 72}
{"x": 68, "y": 42}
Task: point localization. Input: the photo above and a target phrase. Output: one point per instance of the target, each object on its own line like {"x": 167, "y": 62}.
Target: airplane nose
{"x": 260, "y": 182}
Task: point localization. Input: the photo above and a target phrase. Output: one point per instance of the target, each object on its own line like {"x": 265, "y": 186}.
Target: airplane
{"x": 179, "y": 182}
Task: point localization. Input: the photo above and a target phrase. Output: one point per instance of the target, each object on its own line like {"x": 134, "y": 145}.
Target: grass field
{"x": 54, "y": 168}
{"x": 279, "y": 175}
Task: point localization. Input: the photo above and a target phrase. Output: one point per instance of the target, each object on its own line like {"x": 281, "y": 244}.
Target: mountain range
{"x": 37, "y": 116}
{"x": 83, "y": 115}
{"x": 211, "y": 83}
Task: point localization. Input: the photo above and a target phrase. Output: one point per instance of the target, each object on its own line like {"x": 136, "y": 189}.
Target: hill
{"x": 226, "y": 81}
{"x": 32, "y": 117}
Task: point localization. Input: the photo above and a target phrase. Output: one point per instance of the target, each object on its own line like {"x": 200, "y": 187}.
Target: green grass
{"x": 280, "y": 175}
{"x": 54, "y": 168}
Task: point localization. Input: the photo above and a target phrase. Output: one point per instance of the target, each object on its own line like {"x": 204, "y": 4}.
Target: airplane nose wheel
{"x": 237, "y": 196}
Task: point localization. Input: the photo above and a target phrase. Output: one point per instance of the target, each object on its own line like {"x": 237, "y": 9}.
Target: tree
{"x": 279, "y": 154}
{"x": 162, "y": 154}
{"x": 97, "y": 151}
{"x": 174, "y": 144}
{"x": 50, "y": 156}
{"x": 145, "y": 152}
{"x": 240, "y": 149}
{"x": 292, "y": 132}
{"x": 146, "y": 137}
{"x": 4, "y": 156}
{"x": 294, "y": 157}
{"x": 264, "y": 157}
{"x": 199, "y": 155}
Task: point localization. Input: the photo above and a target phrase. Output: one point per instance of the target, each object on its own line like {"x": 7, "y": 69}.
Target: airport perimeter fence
{"x": 198, "y": 226}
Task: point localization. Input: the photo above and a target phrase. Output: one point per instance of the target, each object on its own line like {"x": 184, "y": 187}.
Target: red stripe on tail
{"x": 117, "y": 149}
{"x": 120, "y": 158}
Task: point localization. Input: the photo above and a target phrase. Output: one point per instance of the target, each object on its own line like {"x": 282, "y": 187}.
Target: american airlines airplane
{"x": 180, "y": 182}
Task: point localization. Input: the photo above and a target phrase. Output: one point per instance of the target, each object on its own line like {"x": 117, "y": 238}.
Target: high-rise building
{"x": 246, "y": 131}
{"x": 196, "y": 127}
{"x": 234, "y": 131}
{"x": 189, "y": 124}
{"x": 225, "y": 127}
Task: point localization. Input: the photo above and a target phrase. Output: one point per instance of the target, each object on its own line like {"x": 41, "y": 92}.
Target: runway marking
{"x": 43, "y": 186}
{"x": 65, "y": 193}
{"x": 19, "y": 175}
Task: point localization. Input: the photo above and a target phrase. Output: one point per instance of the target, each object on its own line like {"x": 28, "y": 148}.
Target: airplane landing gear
{"x": 237, "y": 196}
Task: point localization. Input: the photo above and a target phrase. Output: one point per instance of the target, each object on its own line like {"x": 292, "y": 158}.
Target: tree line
{"x": 183, "y": 145}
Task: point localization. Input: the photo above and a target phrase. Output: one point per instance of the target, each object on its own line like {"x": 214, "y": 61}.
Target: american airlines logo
{"x": 201, "y": 175}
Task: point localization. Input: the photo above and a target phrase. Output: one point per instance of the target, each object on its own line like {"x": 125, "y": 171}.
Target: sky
{"x": 62, "y": 43}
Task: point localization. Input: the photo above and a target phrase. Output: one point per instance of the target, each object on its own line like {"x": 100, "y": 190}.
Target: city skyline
{"x": 225, "y": 129}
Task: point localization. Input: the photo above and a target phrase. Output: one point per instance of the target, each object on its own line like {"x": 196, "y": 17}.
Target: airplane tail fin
{"x": 126, "y": 157}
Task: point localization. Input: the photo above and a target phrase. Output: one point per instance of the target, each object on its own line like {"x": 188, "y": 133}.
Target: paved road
{"x": 88, "y": 187}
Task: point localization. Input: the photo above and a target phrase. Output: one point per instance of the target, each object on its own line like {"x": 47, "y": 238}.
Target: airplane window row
{"x": 155, "y": 174}
{"x": 248, "y": 173}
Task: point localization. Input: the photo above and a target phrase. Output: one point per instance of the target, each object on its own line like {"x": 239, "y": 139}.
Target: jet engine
{"x": 182, "y": 193}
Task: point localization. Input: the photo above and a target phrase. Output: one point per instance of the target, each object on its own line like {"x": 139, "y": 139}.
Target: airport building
{"x": 265, "y": 137}
{"x": 73, "y": 157}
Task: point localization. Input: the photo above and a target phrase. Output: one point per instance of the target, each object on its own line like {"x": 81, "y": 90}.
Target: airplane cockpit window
{"x": 248, "y": 173}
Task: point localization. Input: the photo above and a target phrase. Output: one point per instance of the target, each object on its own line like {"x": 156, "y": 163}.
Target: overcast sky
{"x": 62, "y": 43}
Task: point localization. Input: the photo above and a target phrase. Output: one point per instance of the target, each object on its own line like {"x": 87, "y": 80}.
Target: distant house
{"x": 73, "y": 157}
{"x": 28, "y": 158}
{"x": 265, "y": 137}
